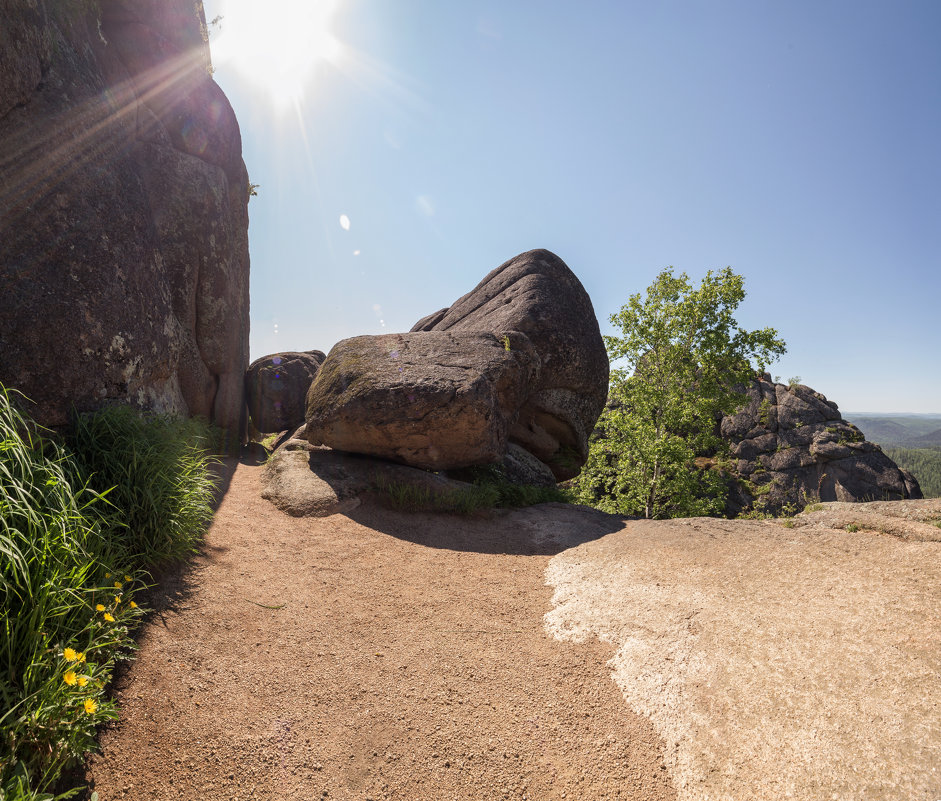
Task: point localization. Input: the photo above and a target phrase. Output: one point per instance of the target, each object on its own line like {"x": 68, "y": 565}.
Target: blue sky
{"x": 796, "y": 141}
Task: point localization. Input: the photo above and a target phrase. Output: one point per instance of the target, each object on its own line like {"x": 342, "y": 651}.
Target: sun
{"x": 277, "y": 45}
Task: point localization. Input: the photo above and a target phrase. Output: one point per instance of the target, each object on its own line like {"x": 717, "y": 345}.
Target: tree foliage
{"x": 682, "y": 362}
{"x": 923, "y": 463}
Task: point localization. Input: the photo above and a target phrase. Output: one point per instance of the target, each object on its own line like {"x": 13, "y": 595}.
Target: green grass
{"x": 154, "y": 469}
{"x": 79, "y": 530}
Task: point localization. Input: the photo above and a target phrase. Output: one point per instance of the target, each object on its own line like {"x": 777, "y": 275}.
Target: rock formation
{"x": 123, "y": 219}
{"x": 791, "y": 446}
{"x": 518, "y": 360}
{"x": 276, "y": 386}
{"x": 431, "y": 400}
{"x": 537, "y": 295}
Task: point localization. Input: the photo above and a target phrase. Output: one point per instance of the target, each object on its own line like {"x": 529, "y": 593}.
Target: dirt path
{"x": 373, "y": 656}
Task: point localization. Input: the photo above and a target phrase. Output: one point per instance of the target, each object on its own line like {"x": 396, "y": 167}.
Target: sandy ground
{"x": 548, "y": 653}
{"x": 373, "y": 655}
{"x": 775, "y": 662}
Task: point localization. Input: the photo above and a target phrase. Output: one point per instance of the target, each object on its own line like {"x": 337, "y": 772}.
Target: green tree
{"x": 683, "y": 362}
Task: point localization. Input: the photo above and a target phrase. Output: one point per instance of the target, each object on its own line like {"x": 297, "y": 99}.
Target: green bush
{"x": 155, "y": 470}
{"x": 78, "y": 531}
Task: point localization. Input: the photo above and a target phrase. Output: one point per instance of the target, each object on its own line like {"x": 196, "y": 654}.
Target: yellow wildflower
{"x": 107, "y": 575}
{"x": 90, "y": 706}
{"x": 82, "y": 681}
{"x": 70, "y": 677}
{"x": 127, "y": 578}
{"x": 109, "y": 617}
{"x": 70, "y": 655}
{"x": 117, "y": 598}
{"x": 99, "y": 607}
{"x": 132, "y": 605}
{"x": 80, "y": 657}
{"x": 118, "y": 585}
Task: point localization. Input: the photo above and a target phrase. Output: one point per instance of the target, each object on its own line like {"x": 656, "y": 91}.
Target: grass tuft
{"x": 154, "y": 470}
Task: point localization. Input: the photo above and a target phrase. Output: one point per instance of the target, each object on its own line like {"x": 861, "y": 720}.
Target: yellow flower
{"x": 118, "y": 585}
{"x": 82, "y": 681}
{"x": 127, "y": 578}
{"x": 69, "y": 677}
{"x": 117, "y": 598}
{"x": 99, "y": 607}
{"x": 109, "y": 617}
{"x": 70, "y": 655}
{"x": 132, "y": 605}
{"x": 80, "y": 657}
{"x": 107, "y": 575}
{"x": 90, "y": 706}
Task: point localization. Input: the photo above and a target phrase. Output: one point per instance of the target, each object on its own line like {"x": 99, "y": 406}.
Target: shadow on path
{"x": 545, "y": 529}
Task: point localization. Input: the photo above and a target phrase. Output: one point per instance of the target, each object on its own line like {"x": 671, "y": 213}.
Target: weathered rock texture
{"x": 519, "y": 361}
{"x": 123, "y": 219}
{"x": 791, "y": 446}
{"x": 434, "y": 400}
{"x": 276, "y": 388}
{"x": 537, "y": 295}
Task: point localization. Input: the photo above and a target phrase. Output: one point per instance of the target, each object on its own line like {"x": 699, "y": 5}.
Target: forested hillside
{"x": 912, "y": 441}
{"x": 923, "y": 463}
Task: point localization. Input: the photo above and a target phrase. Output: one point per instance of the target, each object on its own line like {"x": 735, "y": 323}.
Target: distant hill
{"x": 912, "y": 441}
{"x": 909, "y": 430}
{"x": 934, "y": 438}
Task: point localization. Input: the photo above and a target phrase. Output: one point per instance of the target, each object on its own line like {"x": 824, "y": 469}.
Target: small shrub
{"x": 764, "y": 412}
{"x": 852, "y": 528}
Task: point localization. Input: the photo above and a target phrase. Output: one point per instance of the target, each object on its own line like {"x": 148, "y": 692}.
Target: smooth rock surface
{"x": 776, "y": 662}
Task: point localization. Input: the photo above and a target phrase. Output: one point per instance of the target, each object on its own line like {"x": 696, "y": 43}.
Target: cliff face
{"x": 790, "y": 446}
{"x": 123, "y": 212}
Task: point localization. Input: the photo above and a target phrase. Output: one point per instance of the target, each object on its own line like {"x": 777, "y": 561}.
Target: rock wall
{"x": 790, "y": 446}
{"x": 123, "y": 212}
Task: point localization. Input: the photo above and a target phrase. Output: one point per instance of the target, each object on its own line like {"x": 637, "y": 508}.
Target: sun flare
{"x": 277, "y": 45}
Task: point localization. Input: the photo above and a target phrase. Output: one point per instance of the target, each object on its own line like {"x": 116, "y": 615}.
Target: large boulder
{"x": 537, "y": 295}
{"x": 791, "y": 446}
{"x": 276, "y": 388}
{"x": 123, "y": 217}
{"x": 435, "y": 400}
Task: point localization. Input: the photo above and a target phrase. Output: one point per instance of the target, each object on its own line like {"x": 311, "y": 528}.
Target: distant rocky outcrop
{"x": 790, "y": 446}
{"x": 123, "y": 220}
{"x": 276, "y": 387}
{"x": 518, "y": 360}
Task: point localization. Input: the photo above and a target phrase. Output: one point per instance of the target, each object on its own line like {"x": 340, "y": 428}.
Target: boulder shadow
{"x": 545, "y": 529}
